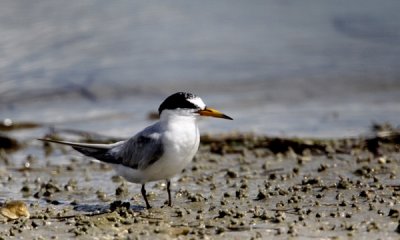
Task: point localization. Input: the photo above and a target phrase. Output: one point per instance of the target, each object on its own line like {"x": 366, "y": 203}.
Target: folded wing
{"x": 140, "y": 151}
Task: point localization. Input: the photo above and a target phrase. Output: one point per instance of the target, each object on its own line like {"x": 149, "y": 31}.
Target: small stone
{"x": 398, "y": 228}
{"x": 102, "y": 196}
{"x": 35, "y": 224}
{"x": 117, "y": 179}
{"x": 393, "y": 213}
{"x": 231, "y": 174}
{"x": 372, "y": 226}
{"x": 25, "y": 189}
{"x": 273, "y": 176}
{"x": 198, "y": 197}
{"x": 382, "y": 160}
{"x": 344, "y": 184}
{"x": 322, "y": 168}
{"x": 261, "y": 195}
{"x": 241, "y": 194}
{"x": 224, "y": 212}
{"x": 121, "y": 190}
{"x": 311, "y": 181}
{"x": 364, "y": 194}
{"x": 71, "y": 185}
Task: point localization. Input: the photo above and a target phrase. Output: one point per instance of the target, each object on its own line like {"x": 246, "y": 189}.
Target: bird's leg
{"x": 145, "y": 197}
{"x": 169, "y": 192}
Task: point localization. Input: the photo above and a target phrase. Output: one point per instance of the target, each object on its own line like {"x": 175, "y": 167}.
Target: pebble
{"x": 393, "y": 213}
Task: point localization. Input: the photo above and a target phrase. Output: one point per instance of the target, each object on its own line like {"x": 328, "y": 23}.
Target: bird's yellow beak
{"x": 213, "y": 113}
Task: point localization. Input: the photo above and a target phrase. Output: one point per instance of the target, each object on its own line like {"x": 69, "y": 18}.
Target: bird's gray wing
{"x": 142, "y": 150}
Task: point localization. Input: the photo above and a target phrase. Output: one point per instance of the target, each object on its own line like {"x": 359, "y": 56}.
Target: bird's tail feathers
{"x": 99, "y": 151}
{"x": 75, "y": 144}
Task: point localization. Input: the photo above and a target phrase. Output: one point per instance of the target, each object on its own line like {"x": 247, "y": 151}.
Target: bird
{"x": 161, "y": 150}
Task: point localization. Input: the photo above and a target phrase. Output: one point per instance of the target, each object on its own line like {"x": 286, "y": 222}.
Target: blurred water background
{"x": 278, "y": 67}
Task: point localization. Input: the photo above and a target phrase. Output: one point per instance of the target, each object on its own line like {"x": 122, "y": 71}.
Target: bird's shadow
{"x": 96, "y": 209}
{"x": 99, "y": 209}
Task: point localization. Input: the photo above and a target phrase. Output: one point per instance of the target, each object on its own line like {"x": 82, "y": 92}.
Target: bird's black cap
{"x": 178, "y": 100}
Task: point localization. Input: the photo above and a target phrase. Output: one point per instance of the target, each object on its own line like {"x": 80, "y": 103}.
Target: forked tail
{"x": 98, "y": 151}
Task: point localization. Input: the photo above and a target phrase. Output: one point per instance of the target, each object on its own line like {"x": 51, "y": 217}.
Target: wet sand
{"x": 238, "y": 187}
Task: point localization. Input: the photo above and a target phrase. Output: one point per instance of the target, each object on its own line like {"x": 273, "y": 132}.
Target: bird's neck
{"x": 179, "y": 122}
{"x": 173, "y": 116}
{"x": 168, "y": 119}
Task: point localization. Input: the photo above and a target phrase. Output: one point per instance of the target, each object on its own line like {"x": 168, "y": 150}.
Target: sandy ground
{"x": 238, "y": 187}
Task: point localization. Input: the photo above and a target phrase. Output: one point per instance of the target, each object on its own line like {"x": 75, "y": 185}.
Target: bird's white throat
{"x": 178, "y": 115}
{"x": 181, "y": 132}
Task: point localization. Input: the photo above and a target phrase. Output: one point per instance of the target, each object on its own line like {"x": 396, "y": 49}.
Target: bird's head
{"x": 184, "y": 103}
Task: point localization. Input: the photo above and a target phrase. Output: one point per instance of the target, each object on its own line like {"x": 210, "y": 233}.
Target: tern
{"x": 160, "y": 151}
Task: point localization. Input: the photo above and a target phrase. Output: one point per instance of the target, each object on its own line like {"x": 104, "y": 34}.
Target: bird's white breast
{"x": 181, "y": 141}
{"x": 180, "y": 138}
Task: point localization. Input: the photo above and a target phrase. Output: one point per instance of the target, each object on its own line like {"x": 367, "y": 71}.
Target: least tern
{"x": 161, "y": 150}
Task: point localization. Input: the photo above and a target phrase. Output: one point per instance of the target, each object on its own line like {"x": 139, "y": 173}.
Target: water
{"x": 308, "y": 68}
